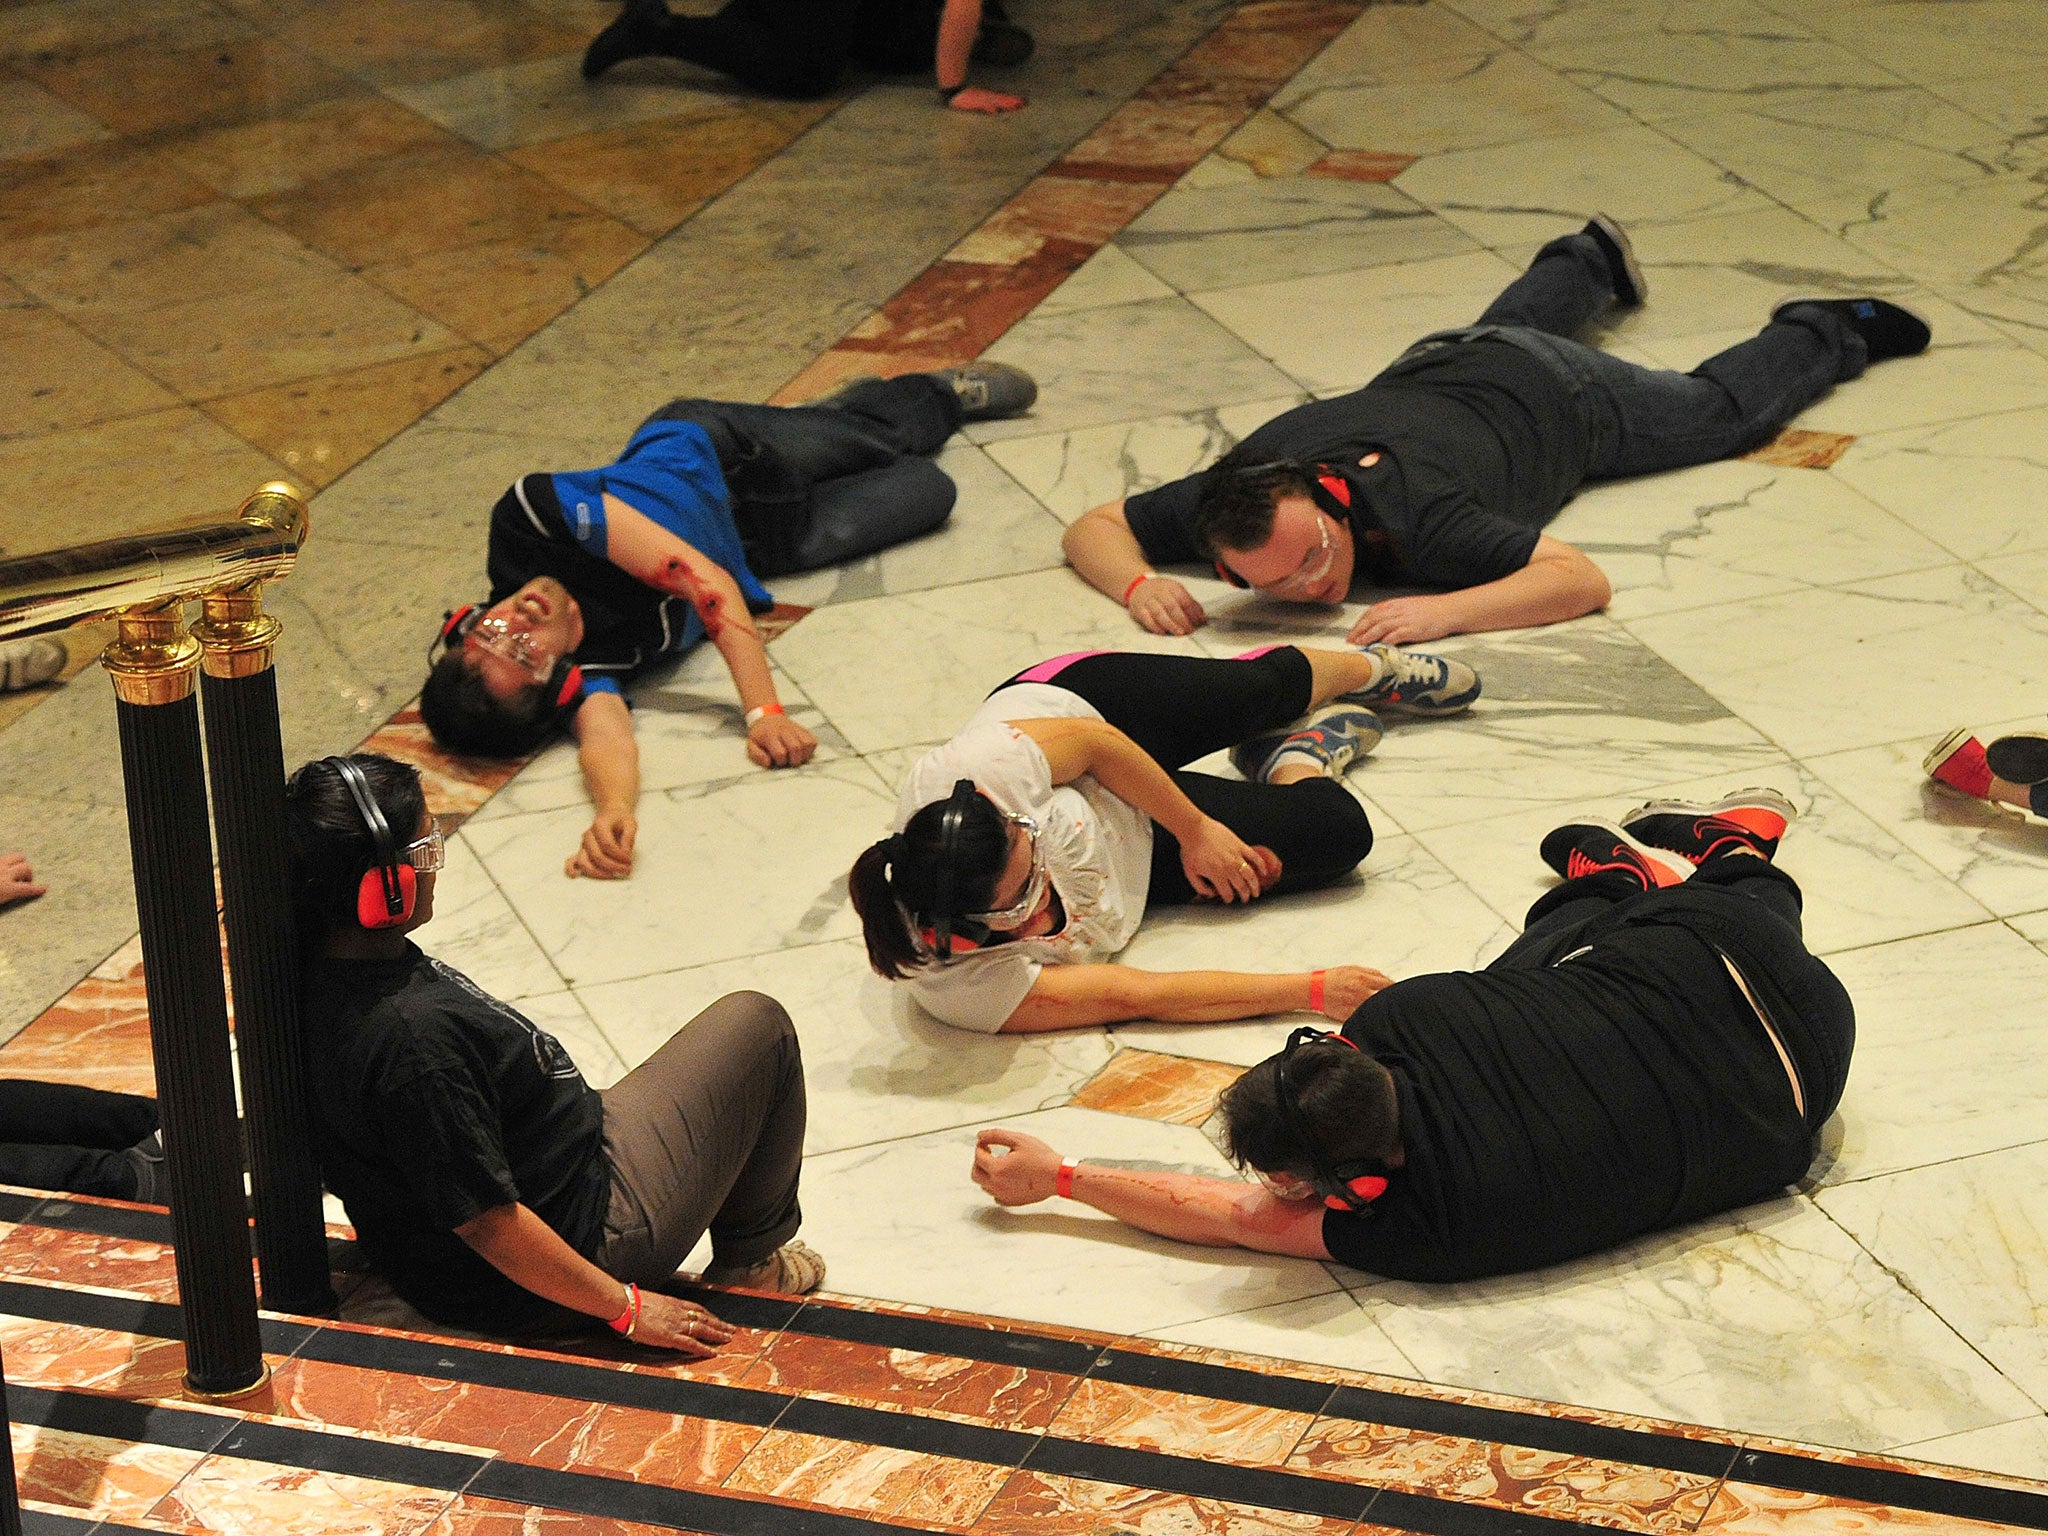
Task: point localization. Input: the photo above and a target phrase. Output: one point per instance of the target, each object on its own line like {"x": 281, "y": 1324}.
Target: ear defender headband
{"x": 1331, "y": 493}
{"x": 1347, "y": 1186}
{"x": 564, "y": 683}
{"x": 951, "y": 932}
{"x": 384, "y": 898}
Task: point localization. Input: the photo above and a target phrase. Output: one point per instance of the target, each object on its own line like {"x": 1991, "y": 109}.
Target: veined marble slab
{"x": 475, "y": 930}
{"x": 1324, "y": 1330}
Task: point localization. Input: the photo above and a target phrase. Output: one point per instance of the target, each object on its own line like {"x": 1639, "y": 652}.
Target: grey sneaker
{"x": 1416, "y": 683}
{"x": 990, "y": 391}
{"x": 1630, "y": 286}
{"x": 29, "y": 663}
{"x": 1333, "y": 735}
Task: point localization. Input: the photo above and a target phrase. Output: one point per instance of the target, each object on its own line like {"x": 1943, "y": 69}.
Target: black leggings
{"x": 61, "y": 1137}
{"x": 1180, "y": 708}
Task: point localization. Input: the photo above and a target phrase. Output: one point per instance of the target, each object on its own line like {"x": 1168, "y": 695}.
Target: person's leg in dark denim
{"x": 64, "y": 1137}
{"x": 1567, "y": 284}
{"x": 856, "y": 515}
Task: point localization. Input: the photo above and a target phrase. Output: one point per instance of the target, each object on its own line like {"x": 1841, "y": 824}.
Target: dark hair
{"x": 1235, "y": 507}
{"x": 900, "y": 874}
{"x": 1347, "y": 1103}
{"x": 329, "y": 847}
{"x": 465, "y": 718}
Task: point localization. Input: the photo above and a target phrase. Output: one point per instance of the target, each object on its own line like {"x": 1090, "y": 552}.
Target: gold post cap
{"x": 152, "y": 659}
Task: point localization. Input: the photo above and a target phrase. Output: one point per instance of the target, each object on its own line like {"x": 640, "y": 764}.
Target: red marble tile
{"x": 1151, "y": 1086}
{"x": 958, "y": 309}
{"x": 93, "y": 1475}
{"x": 1269, "y": 40}
{"x": 1039, "y": 1504}
{"x": 937, "y": 1386}
{"x": 532, "y": 1426}
{"x": 456, "y": 787}
{"x": 831, "y": 369}
{"x": 876, "y": 1480}
{"x": 1360, "y": 165}
{"x": 40, "y": 1354}
{"x": 1086, "y": 214}
{"x": 1193, "y": 87}
{"x": 647, "y": 1446}
{"x": 96, "y": 1035}
{"x": 1180, "y": 1424}
{"x": 779, "y": 620}
{"x": 234, "y": 1497}
{"x": 469, "y": 1515}
{"x": 131, "y": 1266}
{"x": 1155, "y": 141}
{"x": 1797, "y": 448}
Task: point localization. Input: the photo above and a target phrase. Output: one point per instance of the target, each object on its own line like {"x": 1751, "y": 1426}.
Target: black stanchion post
{"x": 154, "y": 664}
{"x": 10, "y": 1495}
{"x": 245, "y": 755}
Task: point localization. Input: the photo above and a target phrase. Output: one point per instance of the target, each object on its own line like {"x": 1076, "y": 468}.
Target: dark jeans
{"x": 1180, "y": 708}
{"x": 817, "y": 485}
{"x": 1638, "y": 419}
{"x": 62, "y": 1137}
{"x": 1737, "y": 905}
{"x": 798, "y": 48}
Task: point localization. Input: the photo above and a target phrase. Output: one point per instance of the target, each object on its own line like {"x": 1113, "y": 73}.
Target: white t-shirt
{"x": 1097, "y": 849}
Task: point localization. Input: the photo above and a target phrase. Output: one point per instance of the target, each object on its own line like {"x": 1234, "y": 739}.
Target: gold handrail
{"x": 60, "y": 587}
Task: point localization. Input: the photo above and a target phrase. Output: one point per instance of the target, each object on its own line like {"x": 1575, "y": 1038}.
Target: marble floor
{"x": 1271, "y": 218}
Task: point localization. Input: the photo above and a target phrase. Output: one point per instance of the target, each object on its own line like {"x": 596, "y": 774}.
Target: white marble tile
{"x": 563, "y": 1016}
{"x": 1772, "y": 1321}
{"x": 1337, "y": 330}
{"x": 891, "y": 671}
{"x": 1126, "y": 362}
{"x": 1970, "y": 369}
{"x": 877, "y": 1068}
{"x": 1917, "y": 231}
{"x": 1107, "y": 278}
{"x": 2032, "y": 926}
{"x": 1948, "y": 1059}
{"x": 1502, "y": 194}
{"x": 2026, "y": 574}
{"x": 1973, "y": 486}
{"x": 1939, "y": 42}
{"x": 1074, "y": 472}
{"x": 698, "y": 891}
{"x": 1995, "y": 854}
{"x": 1721, "y": 532}
{"x": 1655, "y": 75}
{"x": 475, "y": 930}
{"x": 1566, "y": 21}
{"x": 1400, "y": 36}
{"x": 1991, "y": 1286}
{"x": 1861, "y": 885}
{"x": 1891, "y": 640}
{"x": 513, "y": 104}
{"x": 949, "y": 1245}
{"x": 1202, "y": 238}
{"x": 2018, "y": 1448}
{"x": 1323, "y": 1330}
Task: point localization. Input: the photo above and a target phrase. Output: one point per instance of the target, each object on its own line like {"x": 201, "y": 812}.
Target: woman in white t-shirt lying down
{"x": 1028, "y": 846}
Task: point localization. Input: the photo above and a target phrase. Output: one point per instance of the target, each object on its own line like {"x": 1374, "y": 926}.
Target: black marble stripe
{"x": 1906, "y": 1490}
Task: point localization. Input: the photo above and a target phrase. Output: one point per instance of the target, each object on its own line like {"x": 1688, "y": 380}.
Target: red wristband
{"x": 1315, "y": 991}
{"x": 1137, "y": 581}
{"x": 761, "y": 712}
{"x": 1063, "y": 1182}
{"x": 629, "y": 1319}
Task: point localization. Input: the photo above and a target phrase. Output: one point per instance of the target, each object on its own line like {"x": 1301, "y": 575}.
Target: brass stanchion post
{"x": 245, "y": 756}
{"x": 154, "y": 664}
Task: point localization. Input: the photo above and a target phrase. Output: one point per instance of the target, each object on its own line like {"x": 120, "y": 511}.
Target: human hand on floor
{"x": 607, "y": 849}
{"x": 669, "y": 1322}
{"x": 989, "y": 103}
{"x": 17, "y": 880}
{"x": 776, "y": 741}
{"x": 1346, "y": 986}
{"x": 1223, "y": 866}
{"x": 1165, "y": 607}
{"x": 1015, "y": 1168}
{"x": 1404, "y": 621}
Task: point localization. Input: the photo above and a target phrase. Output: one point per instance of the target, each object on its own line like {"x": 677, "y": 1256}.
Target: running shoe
{"x": 2021, "y": 758}
{"x": 1595, "y": 847}
{"x": 1630, "y": 286}
{"x": 1750, "y": 818}
{"x": 989, "y": 391}
{"x": 1415, "y": 683}
{"x": 1331, "y": 737}
{"x": 29, "y": 663}
{"x": 1958, "y": 761}
{"x": 1888, "y": 330}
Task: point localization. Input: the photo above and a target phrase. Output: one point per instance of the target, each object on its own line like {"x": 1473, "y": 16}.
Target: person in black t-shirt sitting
{"x": 1443, "y": 471}
{"x": 1656, "y": 1047}
{"x": 487, "y": 1181}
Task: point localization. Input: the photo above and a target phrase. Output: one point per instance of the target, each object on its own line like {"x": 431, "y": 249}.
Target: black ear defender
{"x": 950, "y": 931}
{"x": 1351, "y": 1185}
{"x": 564, "y": 684}
{"x": 384, "y": 898}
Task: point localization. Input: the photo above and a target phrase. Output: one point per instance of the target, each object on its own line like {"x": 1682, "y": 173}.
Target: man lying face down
{"x": 1656, "y": 1047}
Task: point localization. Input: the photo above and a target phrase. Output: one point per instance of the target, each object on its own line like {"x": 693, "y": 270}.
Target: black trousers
{"x": 68, "y": 1138}
{"x": 799, "y": 48}
{"x": 1180, "y": 708}
{"x": 817, "y": 485}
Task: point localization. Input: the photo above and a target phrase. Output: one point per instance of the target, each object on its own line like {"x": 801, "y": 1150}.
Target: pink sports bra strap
{"x": 1046, "y": 671}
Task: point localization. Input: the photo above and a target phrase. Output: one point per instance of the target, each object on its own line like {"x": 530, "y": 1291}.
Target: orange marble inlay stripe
{"x": 132, "y": 1266}
{"x": 1360, "y": 165}
{"x": 1042, "y": 1504}
{"x": 936, "y": 1386}
{"x": 1150, "y": 1419}
{"x": 1742, "y": 1509}
{"x": 879, "y": 1480}
{"x": 1797, "y": 448}
{"x": 229, "y": 1496}
{"x": 456, "y": 787}
{"x": 95, "y": 1035}
{"x": 40, "y": 1354}
{"x": 469, "y": 1515}
{"x": 959, "y": 308}
{"x": 1152, "y": 1086}
{"x": 95, "y": 1475}
{"x": 1268, "y": 40}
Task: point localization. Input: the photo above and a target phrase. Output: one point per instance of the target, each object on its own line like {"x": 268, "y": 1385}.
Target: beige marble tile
{"x": 33, "y": 122}
{"x": 60, "y": 378}
{"x": 1654, "y": 75}
{"x": 2019, "y": 1447}
{"x": 536, "y": 100}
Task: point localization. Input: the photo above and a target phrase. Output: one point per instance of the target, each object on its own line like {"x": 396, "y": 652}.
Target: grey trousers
{"x": 707, "y": 1133}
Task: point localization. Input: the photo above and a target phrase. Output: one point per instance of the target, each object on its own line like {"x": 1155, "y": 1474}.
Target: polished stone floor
{"x": 1242, "y": 233}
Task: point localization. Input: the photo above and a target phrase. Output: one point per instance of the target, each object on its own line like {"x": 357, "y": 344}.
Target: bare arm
{"x": 959, "y": 21}
{"x": 513, "y": 1240}
{"x": 610, "y": 759}
{"x": 1218, "y": 1213}
{"x": 1100, "y": 545}
{"x": 1077, "y": 996}
{"x": 1558, "y": 583}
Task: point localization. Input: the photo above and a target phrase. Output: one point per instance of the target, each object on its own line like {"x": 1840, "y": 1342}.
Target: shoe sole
{"x": 1269, "y": 745}
{"x": 1944, "y": 749}
{"x": 1770, "y": 799}
{"x": 2018, "y": 759}
{"x": 1663, "y": 858}
{"x": 1607, "y": 226}
{"x": 1782, "y": 305}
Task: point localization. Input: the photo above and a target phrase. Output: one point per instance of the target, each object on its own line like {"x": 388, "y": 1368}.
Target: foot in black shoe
{"x": 989, "y": 391}
{"x": 637, "y": 31}
{"x": 1888, "y": 330}
{"x": 1630, "y": 286}
{"x": 1598, "y": 847}
{"x": 2020, "y": 758}
{"x": 1750, "y": 818}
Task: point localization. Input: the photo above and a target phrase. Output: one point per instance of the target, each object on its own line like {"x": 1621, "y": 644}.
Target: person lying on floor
{"x": 487, "y": 1181}
{"x": 1656, "y": 1047}
{"x": 1443, "y": 471}
{"x": 598, "y": 575}
{"x": 81, "y": 1141}
{"x": 2013, "y": 770}
{"x": 1029, "y": 846}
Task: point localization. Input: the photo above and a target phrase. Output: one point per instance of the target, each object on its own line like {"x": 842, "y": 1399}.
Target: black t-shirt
{"x": 1479, "y": 445}
{"x": 437, "y": 1103}
{"x": 1550, "y": 1113}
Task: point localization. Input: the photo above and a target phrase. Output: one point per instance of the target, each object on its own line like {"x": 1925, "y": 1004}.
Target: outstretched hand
{"x": 776, "y": 741}
{"x": 606, "y": 852}
{"x": 17, "y": 880}
{"x": 1014, "y": 1167}
{"x": 669, "y": 1322}
{"x": 1165, "y": 607}
{"x": 1223, "y": 866}
{"x": 1404, "y": 621}
{"x": 1346, "y": 986}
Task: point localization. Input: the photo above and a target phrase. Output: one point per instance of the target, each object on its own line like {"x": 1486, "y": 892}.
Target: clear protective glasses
{"x": 1315, "y": 565}
{"x": 1285, "y": 1186}
{"x": 428, "y": 853}
{"x": 1019, "y": 912}
{"x": 496, "y": 635}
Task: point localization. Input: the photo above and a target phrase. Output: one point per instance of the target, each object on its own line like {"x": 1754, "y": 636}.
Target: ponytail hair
{"x": 893, "y": 884}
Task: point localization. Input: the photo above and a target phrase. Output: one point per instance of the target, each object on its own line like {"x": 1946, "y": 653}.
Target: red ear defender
{"x": 1369, "y": 1188}
{"x": 455, "y": 625}
{"x": 572, "y": 685}
{"x": 373, "y": 902}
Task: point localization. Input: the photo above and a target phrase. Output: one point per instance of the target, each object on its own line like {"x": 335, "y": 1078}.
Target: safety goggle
{"x": 426, "y": 854}
{"x": 1285, "y": 1186}
{"x": 1019, "y": 912}
{"x": 498, "y": 637}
